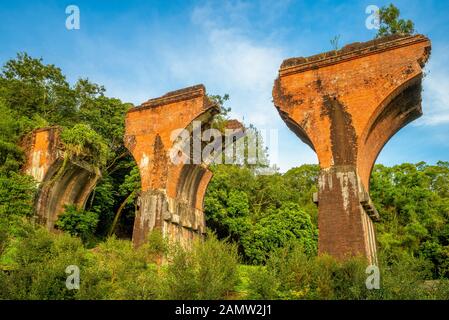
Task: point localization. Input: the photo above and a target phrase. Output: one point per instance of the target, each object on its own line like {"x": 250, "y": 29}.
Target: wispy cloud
{"x": 436, "y": 91}
{"x": 218, "y": 48}
{"x": 234, "y": 62}
{"x": 226, "y": 59}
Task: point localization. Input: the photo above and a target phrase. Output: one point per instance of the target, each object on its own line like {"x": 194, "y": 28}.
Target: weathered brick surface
{"x": 58, "y": 186}
{"x": 346, "y": 105}
{"x": 42, "y": 150}
{"x": 172, "y": 194}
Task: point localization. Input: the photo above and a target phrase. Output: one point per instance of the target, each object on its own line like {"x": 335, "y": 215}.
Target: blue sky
{"x": 142, "y": 49}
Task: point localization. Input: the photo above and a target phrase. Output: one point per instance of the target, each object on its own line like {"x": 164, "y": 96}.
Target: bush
{"x": 115, "y": 270}
{"x": 38, "y": 271}
{"x": 291, "y": 274}
{"x": 4, "y": 239}
{"x": 83, "y": 142}
{"x": 78, "y": 223}
{"x": 217, "y": 268}
{"x": 278, "y": 229}
{"x": 403, "y": 277}
{"x": 391, "y": 24}
{"x": 16, "y": 195}
{"x": 208, "y": 270}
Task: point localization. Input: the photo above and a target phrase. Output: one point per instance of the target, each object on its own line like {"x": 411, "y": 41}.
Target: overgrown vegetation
{"x": 116, "y": 270}
{"x": 79, "y": 223}
{"x": 35, "y": 95}
{"x": 292, "y": 274}
{"x": 263, "y": 212}
{"x": 412, "y": 199}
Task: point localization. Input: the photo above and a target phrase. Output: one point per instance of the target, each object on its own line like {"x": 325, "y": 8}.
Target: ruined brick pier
{"x": 59, "y": 184}
{"x": 172, "y": 194}
{"x": 346, "y": 105}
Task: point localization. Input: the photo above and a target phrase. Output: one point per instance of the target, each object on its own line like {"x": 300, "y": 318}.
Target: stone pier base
{"x": 346, "y": 215}
{"x": 176, "y": 220}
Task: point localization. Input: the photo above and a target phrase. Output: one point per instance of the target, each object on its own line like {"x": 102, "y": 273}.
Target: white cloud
{"x": 230, "y": 59}
{"x": 227, "y": 61}
{"x": 436, "y": 100}
{"x": 436, "y": 92}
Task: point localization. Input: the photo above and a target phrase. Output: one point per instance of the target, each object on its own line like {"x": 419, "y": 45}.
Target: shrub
{"x": 208, "y": 270}
{"x": 403, "y": 277}
{"x": 115, "y": 270}
{"x": 16, "y": 194}
{"x": 77, "y": 222}
{"x": 391, "y": 24}
{"x": 291, "y": 274}
{"x": 83, "y": 142}
{"x": 40, "y": 261}
{"x": 277, "y": 229}
{"x": 217, "y": 271}
{"x": 263, "y": 284}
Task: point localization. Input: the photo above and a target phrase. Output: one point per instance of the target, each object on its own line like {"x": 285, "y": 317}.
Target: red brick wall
{"x": 346, "y": 105}
{"x": 57, "y": 187}
{"x": 41, "y": 150}
{"x": 172, "y": 194}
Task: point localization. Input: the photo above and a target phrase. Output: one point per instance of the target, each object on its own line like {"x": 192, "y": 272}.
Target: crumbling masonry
{"x": 346, "y": 105}
{"x": 59, "y": 184}
{"x": 171, "y": 199}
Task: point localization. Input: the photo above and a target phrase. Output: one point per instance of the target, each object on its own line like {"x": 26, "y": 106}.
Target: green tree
{"x": 30, "y": 87}
{"x": 278, "y": 229}
{"x": 34, "y": 94}
{"x": 79, "y": 223}
{"x": 413, "y": 203}
{"x": 17, "y": 193}
{"x": 391, "y": 24}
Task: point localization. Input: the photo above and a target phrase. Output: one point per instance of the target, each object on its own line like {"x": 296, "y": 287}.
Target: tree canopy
{"x": 390, "y": 23}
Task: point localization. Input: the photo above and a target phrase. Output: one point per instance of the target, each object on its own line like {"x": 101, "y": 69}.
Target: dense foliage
{"x": 35, "y": 95}
{"x": 116, "y": 270}
{"x": 292, "y": 274}
{"x": 389, "y": 22}
{"x": 262, "y": 212}
{"x": 78, "y": 222}
{"x": 413, "y": 201}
